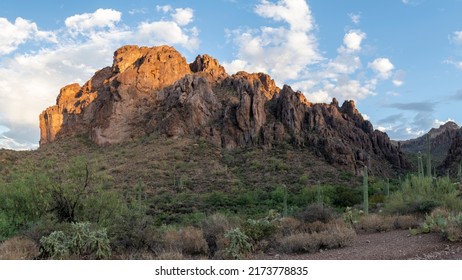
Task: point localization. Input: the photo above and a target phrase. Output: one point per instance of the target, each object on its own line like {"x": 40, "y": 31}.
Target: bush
{"x": 422, "y": 195}
{"x": 132, "y": 232}
{"x": 214, "y": 228}
{"x": 238, "y": 244}
{"x": 289, "y": 226}
{"x": 316, "y": 212}
{"x": 19, "y": 248}
{"x": 263, "y": 228}
{"x": 81, "y": 241}
{"x": 337, "y": 235}
{"x": 188, "y": 240}
{"x": 375, "y": 223}
{"x": 406, "y": 222}
{"x": 441, "y": 220}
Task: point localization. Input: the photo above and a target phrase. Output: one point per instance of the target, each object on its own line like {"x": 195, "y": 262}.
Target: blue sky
{"x": 400, "y": 60}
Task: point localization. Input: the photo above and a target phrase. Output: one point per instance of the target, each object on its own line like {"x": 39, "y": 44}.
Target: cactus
{"x": 420, "y": 165}
{"x": 365, "y": 192}
{"x": 429, "y": 157}
{"x": 319, "y": 198}
{"x": 387, "y": 188}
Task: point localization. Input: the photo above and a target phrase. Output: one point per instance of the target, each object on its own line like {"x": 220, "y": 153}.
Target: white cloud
{"x": 14, "y": 34}
{"x": 353, "y": 39}
{"x": 383, "y": 67}
{"x": 31, "y": 81}
{"x": 166, "y": 32}
{"x": 284, "y": 52}
{"x": 398, "y": 78}
{"x": 457, "y": 64}
{"x": 183, "y": 16}
{"x": 164, "y": 9}
{"x": 288, "y": 51}
{"x": 457, "y": 37}
{"x": 437, "y": 123}
{"x": 101, "y": 18}
{"x": 355, "y": 18}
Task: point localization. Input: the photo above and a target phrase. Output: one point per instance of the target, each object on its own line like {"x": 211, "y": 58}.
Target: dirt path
{"x": 393, "y": 245}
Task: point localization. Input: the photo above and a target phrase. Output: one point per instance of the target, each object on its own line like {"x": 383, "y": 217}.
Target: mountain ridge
{"x": 154, "y": 90}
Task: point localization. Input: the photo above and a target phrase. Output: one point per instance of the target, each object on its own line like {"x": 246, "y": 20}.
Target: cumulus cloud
{"x": 285, "y": 51}
{"x": 353, "y": 39}
{"x": 101, "y": 18}
{"x": 31, "y": 80}
{"x": 288, "y": 51}
{"x": 382, "y": 66}
{"x": 183, "y": 16}
{"x": 14, "y": 34}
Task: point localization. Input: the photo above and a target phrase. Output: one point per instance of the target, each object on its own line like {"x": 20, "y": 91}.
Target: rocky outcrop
{"x": 454, "y": 156}
{"x": 154, "y": 90}
{"x": 440, "y": 142}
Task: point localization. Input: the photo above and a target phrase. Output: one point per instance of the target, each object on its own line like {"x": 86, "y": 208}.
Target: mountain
{"x": 155, "y": 91}
{"x": 440, "y": 142}
{"x": 454, "y": 156}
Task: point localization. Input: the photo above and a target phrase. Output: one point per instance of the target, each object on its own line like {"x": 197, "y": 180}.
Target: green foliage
{"x": 23, "y": 200}
{"x": 447, "y": 223}
{"x": 352, "y": 216}
{"x": 365, "y": 192}
{"x": 81, "y": 241}
{"x": 316, "y": 212}
{"x": 422, "y": 195}
{"x": 238, "y": 244}
{"x": 261, "y": 228}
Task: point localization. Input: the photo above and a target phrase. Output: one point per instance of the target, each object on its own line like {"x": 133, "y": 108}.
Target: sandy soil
{"x": 393, "y": 245}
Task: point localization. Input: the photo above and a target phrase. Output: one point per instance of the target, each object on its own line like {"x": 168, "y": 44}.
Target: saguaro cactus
{"x": 429, "y": 157}
{"x": 365, "y": 192}
{"x": 420, "y": 165}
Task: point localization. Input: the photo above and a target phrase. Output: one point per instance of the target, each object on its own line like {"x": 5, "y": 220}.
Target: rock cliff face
{"x": 154, "y": 90}
{"x": 454, "y": 155}
{"x": 440, "y": 142}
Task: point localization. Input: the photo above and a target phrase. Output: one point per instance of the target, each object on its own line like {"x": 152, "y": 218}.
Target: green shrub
{"x": 316, "y": 212}
{"x": 81, "y": 241}
{"x": 259, "y": 229}
{"x": 214, "y": 227}
{"x": 238, "y": 244}
{"x": 443, "y": 221}
{"x": 422, "y": 195}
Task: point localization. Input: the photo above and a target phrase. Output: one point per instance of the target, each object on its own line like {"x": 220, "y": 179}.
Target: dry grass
{"x": 289, "y": 226}
{"x": 171, "y": 255}
{"x": 406, "y": 222}
{"x": 19, "y": 248}
{"x": 188, "y": 240}
{"x": 375, "y": 223}
{"x": 336, "y": 235}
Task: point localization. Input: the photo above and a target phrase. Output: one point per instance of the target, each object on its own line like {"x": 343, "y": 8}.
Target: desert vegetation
{"x": 131, "y": 201}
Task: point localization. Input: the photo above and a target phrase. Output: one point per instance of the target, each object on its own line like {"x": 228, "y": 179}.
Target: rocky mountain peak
{"x": 154, "y": 90}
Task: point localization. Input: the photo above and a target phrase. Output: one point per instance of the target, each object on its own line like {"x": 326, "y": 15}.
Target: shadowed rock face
{"x": 454, "y": 156}
{"x": 154, "y": 90}
{"x": 440, "y": 142}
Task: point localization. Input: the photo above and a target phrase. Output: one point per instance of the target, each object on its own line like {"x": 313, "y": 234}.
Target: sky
{"x": 400, "y": 60}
